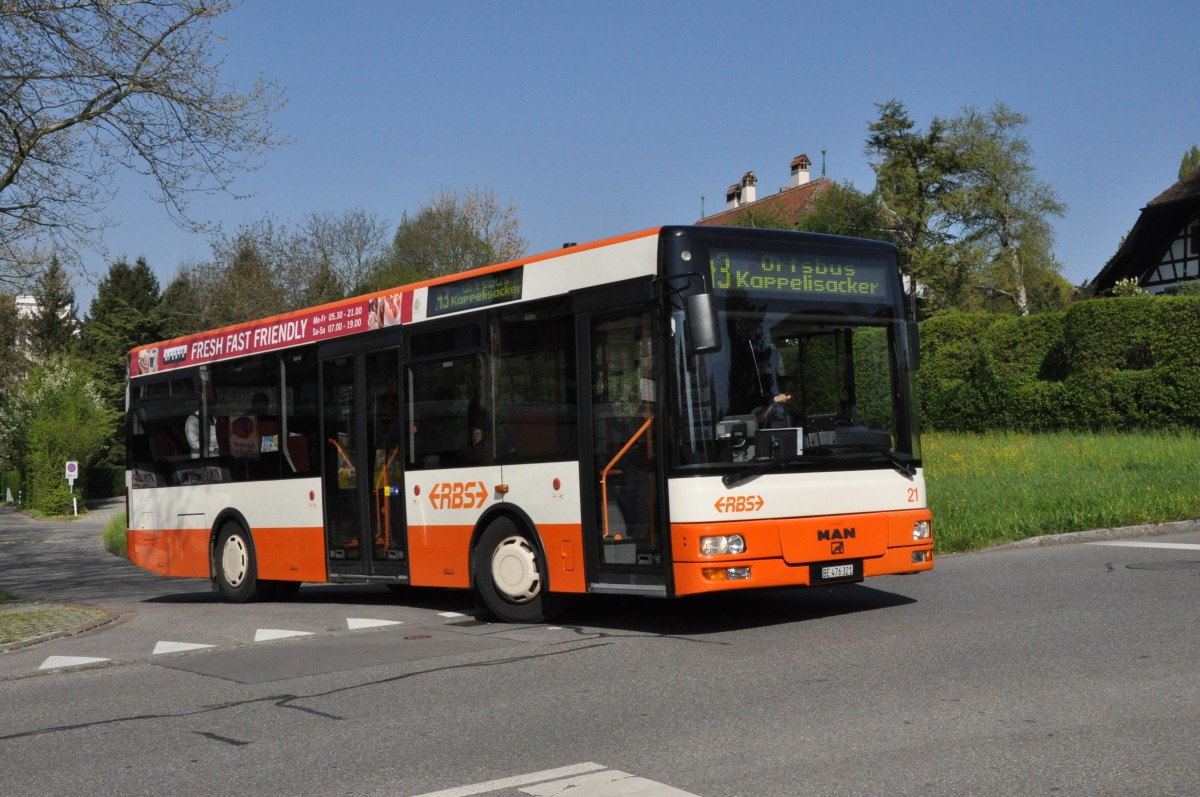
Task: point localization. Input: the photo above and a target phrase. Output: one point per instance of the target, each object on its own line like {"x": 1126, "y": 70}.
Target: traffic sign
{"x": 72, "y": 471}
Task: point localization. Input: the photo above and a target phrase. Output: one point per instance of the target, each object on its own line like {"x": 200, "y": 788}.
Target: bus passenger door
{"x": 364, "y": 509}
{"x": 626, "y": 542}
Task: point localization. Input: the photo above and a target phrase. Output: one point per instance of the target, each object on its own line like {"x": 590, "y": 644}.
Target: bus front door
{"x": 364, "y": 510}
{"x": 626, "y": 546}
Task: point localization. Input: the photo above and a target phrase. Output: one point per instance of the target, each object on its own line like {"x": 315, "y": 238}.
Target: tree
{"x": 183, "y": 307}
{"x": 51, "y": 330}
{"x": 338, "y": 251}
{"x": 844, "y": 210}
{"x": 761, "y": 219}
{"x": 972, "y": 219}
{"x": 915, "y": 173}
{"x": 55, "y": 416}
{"x": 453, "y": 232}
{"x": 12, "y": 360}
{"x": 89, "y": 88}
{"x": 1190, "y": 162}
{"x": 266, "y": 267}
{"x": 124, "y": 314}
{"x": 244, "y": 280}
{"x": 999, "y": 203}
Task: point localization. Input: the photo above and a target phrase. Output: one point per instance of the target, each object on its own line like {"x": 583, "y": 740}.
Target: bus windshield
{"x": 813, "y": 366}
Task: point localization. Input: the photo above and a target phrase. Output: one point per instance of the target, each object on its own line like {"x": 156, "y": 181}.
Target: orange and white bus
{"x": 676, "y": 411}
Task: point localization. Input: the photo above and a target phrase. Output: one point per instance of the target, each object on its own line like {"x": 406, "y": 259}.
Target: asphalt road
{"x": 1064, "y": 669}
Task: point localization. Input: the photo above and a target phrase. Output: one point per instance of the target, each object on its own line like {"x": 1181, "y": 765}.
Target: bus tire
{"x": 236, "y": 570}
{"x": 510, "y": 574}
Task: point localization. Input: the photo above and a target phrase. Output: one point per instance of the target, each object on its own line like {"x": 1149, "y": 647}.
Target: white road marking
{"x": 54, "y": 662}
{"x": 1174, "y": 546}
{"x": 516, "y": 780}
{"x": 355, "y": 623}
{"x": 266, "y": 634}
{"x": 609, "y": 783}
{"x": 177, "y": 647}
{"x": 451, "y": 614}
{"x": 579, "y": 780}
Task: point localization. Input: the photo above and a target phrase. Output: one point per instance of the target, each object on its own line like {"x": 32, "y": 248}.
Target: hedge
{"x": 1112, "y": 364}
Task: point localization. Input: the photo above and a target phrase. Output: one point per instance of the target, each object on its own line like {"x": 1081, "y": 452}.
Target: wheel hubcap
{"x": 234, "y": 560}
{"x": 515, "y": 570}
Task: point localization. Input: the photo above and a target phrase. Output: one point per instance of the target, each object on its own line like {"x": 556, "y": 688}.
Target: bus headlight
{"x": 921, "y": 530}
{"x": 727, "y": 543}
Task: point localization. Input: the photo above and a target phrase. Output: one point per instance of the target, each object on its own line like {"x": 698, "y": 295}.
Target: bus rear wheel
{"x": 510, "y": 574}
{"x": 237, "y": 572}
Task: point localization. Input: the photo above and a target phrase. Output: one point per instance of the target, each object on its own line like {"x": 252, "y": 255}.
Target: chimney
{"x": 733, "y": 196}
{"x": 749, "y": 181}
{"x": 800, "y": 165}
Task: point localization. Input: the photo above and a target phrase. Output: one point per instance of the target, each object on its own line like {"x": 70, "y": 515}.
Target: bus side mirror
{"x": 704, "y": 336}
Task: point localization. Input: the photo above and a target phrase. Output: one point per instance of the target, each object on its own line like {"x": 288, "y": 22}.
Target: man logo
{"x": 835, "y": 534}
{"x": 837, "y": 547}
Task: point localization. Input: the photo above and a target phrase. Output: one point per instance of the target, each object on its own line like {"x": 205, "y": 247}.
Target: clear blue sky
{"x": 602, "y": 118}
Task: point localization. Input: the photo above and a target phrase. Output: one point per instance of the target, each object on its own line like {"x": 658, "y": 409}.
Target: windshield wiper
{"x": 860, "y": 443}
{"x": 903, "y": 466}
{"x": 736, "y": 478}
{"x": 906, "y": 468}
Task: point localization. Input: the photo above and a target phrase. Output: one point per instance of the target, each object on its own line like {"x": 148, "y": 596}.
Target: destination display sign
{"x": 488, "y": 289}
{"x": 833, "y": 278}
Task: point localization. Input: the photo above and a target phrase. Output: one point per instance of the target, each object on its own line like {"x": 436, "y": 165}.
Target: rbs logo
{"x": 458, "y": 495}
{"x": 739, "y": 503}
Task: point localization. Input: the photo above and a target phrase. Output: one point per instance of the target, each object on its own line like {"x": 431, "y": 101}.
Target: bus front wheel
{"x": 235, "y": 566}
{"x": 510, "y": 574}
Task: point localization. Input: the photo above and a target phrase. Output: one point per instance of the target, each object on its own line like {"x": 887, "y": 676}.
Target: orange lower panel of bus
{"x": 779, "y": 552}
{"x": 439, "y": 556}
{"x": 282, "y": 554}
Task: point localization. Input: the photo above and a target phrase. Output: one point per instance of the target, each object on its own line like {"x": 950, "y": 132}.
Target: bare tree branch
{"x": 91, "y": 87}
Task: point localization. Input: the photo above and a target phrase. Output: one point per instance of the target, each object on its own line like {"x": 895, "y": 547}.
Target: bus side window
{"x": 445, "y": 409}
{"x": 300, "y": 411}
{"x": 536, "y": 391}
{"x": 448, "y": 400}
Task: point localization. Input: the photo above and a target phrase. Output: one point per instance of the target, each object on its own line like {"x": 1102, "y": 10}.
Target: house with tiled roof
{"x": 1162, "y": 251}
{"x": 789, "y": 203}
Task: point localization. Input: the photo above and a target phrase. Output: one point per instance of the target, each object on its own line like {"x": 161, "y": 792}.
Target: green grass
{"x": 995, "y": 488}
{"x": 114, "y": 536}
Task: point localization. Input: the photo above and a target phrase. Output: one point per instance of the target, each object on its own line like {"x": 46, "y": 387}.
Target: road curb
{"x": 61, "y": 620}
{"x": 1100, "y": 535}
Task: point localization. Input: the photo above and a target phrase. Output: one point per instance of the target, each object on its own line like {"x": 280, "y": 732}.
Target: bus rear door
{"x": 363, "y": 466}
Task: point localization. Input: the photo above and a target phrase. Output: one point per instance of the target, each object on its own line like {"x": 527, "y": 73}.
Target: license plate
{"x": 836, "y": 571}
